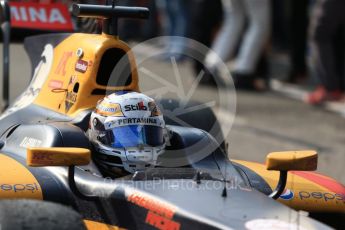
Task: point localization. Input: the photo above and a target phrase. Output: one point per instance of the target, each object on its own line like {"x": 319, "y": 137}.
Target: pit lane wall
{"x": 308, "y": 191}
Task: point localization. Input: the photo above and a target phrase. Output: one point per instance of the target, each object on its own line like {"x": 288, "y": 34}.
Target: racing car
{"x": 48, "y": 178}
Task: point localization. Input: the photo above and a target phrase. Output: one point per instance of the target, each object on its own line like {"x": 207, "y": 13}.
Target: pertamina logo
{"x": 81, "y": 66}
{"x": 138, "y": 107}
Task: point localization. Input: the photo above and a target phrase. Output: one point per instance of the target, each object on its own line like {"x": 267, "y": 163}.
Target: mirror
{"x": 292, "y": 160}
{"x": 39, "y": 157}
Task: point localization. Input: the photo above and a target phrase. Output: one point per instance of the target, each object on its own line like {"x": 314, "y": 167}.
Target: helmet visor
{"x": 132, "y": 136}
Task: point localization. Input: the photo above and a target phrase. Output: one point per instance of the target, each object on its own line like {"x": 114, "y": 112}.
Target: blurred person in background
{"x": 328, "y": 25}
{"x": 256, "y": 34}
{"x": 175, "y": 18}
{"x": 298, "y": 30}
{"x": 204, "y": 21}
{"x": 139, "y": 30}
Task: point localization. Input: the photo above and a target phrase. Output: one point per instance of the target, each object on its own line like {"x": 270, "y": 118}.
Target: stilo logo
{"x": 287, "y": 195}
{"x": 138, "y": 107}
{"x": 81, "y": 66}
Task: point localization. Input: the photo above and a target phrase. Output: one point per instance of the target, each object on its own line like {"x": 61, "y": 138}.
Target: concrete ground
{"x": 264, "y": 122}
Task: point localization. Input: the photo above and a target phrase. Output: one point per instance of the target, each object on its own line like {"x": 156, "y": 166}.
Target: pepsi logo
{"x": 287, "y": 195}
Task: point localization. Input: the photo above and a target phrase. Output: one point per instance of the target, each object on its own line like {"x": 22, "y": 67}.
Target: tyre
{"x": 32, "y": 214}
{"x": 334, "y": 220}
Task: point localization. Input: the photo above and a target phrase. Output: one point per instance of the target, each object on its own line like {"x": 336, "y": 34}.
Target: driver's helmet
{"x": 126, "y": 130}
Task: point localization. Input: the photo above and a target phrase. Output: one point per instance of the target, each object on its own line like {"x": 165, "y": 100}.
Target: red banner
{"x": 27, "y": 15}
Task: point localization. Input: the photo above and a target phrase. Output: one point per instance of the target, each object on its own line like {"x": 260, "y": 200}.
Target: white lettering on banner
{"x": 15, "y": 14}
{"x": 55, "y": 16}
{"x": 23, "y": 13}
{"x": 37, "y": 15}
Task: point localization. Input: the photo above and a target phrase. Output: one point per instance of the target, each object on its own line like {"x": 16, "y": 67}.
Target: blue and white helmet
{"x": 127, "y": 131}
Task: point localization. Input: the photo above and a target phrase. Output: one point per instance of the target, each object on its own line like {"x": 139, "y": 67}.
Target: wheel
{"x": 32, "y": 214}
{"x": 334, "y": 220}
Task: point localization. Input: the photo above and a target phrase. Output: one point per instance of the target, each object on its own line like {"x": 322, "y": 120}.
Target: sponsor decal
{"x": 81, "y": 66}
{"x": 68, "y": 106}
{"x": 324, "y": 196}
{"x": 142, "y": 156}
{"x": 41, "y": 158}
{"x": 72, "y": 80}
{"x": 52, "y": 16}
{"x": 30, "y": 142}
{"x": 20, "y": 188}
{"x": 71, "y": 98}
{"x": 54, "y": 84}
{"x": 61, "y": 68}
{"x": 154, "y": 109}
{"x": 270, "y": 224}
{"x": 17, "y": 181}
{"x": 287, "y": 195}
{"x": 160, "y": 222}
{"x": 159, "y": 207}
{"x": 138, "y": 107}
{"x": 109, "y": 109}
{"x": 46, "y": 159}
{"x": 132, "y": 121}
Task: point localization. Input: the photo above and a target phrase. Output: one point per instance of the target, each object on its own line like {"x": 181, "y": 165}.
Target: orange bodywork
{"x": 93, "y": 225}
{"x": 17, "y": 181}
{"x": 63, "y": 71}
{"x": 311, "y": 192}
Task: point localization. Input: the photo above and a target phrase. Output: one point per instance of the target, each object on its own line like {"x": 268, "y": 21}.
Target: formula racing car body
{"x": 45, "y": 154}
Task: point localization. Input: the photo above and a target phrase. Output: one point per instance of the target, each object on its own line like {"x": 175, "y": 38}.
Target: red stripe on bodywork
{"x": 322, "y": 181}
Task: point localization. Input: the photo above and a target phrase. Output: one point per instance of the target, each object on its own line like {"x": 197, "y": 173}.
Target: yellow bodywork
{"x": 17, "y": 181}
{"x": 292, "y": 160}
{"x": 39, "y": 157}
{"x": 312, "y": 192}
{"x": 64, "y": 72}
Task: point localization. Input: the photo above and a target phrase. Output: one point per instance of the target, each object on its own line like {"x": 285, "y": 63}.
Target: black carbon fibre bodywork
{"x": 188, "y": 197}
{"x": 194, "y": 205}
{"x": 255, "y": 180}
